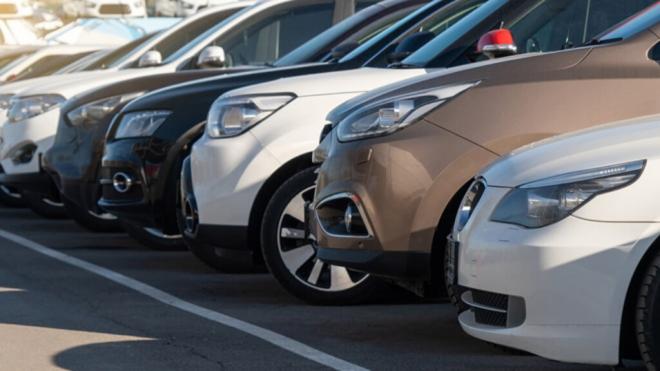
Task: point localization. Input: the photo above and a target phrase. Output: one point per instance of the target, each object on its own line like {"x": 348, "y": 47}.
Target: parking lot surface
{"x": 133, "y": 308}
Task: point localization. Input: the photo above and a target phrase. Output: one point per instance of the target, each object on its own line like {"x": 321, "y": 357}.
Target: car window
{"x": 635, "y": 24}
{"x": 561, "y": 24}
{"x": 48, "y": 65}
{"x": 351, "y": 29}
{"x": 436, "y": 24}
{"x": 114, "y": 57}
{"x": 175, "y": 41}
{"x": 276, "y": 35}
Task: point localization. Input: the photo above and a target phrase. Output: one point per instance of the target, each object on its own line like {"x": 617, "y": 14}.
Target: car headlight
{"x": 140, "y": 124}
{"x": 92, "y": 113}
{"x": 25, "y": 108}
{"x": 233, "y": 116}
{"x": 470, "y": 201}
{"x": 395, "y": 113}
{"x": 5, "y": 100}
{"x": 548, "y": 201}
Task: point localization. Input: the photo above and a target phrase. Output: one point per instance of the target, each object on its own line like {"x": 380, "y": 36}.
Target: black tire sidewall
{"x": 35, "y": 202}
{"x": 647, "y": 315}
{"x": 269, "y": 245}
{"x": 89, "y": 221}
{"x": 141, "y": 235}
{"x": 10, "y": 201}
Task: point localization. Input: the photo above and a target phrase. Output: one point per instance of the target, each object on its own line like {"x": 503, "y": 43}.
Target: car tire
{"x": 10, "y": 197}
{"x": 103, "y": 223}
{"x": 647, "y": 315}
{"x": 153, "y": 239}
{"x": 291, "y": 260}
{"x": 44, "y": 206}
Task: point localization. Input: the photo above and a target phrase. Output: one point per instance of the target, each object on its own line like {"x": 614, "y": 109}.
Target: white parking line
{"x": 274, "y": 338}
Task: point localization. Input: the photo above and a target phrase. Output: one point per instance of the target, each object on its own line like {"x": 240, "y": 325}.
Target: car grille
{"x": 494, "y": 309}
{"x": 115, "y": 9}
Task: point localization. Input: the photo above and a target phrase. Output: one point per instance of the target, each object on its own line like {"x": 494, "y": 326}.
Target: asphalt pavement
{"x": 71, "y": 299}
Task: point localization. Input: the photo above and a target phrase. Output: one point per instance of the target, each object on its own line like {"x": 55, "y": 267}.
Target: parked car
{"x": 154, "y": 205}
{"x": 75, "y": 169}
{"x": 43, "y": 61}
{"x": 165, "y": 8}
{"x": 185, "y": 8}
{"x": 390, "y": 186}
{"x": 263, "y": 174}
{"x": 105, "y": 8}
{"x": 581, "y": 230}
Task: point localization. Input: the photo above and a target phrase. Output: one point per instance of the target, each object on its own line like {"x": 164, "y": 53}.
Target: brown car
{"x": 398, "y": 161}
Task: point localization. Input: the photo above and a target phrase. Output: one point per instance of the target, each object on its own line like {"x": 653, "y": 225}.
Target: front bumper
{"x": 401, "y": 169}
{"x": 566, "y": 283}
{"x": 39, "y": 183}
{"x": 35, "y": 136}
{"x": 141, "y": 160}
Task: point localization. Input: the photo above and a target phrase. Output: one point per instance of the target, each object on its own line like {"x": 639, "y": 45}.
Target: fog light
{"x": 24, "y": 154}
{"x": 342, "y": 215}
{"x": 121, "y": 182}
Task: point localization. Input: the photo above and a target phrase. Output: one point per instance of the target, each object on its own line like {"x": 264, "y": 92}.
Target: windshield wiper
{"x": 401, "y": 65}
{"x": 594, "y": 42}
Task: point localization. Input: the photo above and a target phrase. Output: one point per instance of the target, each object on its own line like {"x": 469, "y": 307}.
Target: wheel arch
{"x": 627, "y": 336}
{"x": 282, "y": 174}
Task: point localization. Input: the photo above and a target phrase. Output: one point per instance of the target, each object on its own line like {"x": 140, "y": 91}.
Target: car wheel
{"x": 647, "y": 315}
{"x": 104, "y": 222}
{"x": 10, "y": 196}
{"x": 45, "y": 206}
{"x": 153, "y": 238}
{"x": 291, "y": 255}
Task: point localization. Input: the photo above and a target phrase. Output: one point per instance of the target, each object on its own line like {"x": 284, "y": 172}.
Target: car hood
{"x": 340, "y": 82}
{"x": 530, "y": 63}
{"x": 611, "y": 144}
{"x": 18, "y": 86}
{"x": 70, "y": 85}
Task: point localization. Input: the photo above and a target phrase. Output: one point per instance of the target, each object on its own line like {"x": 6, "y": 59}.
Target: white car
{"x": 105, "y": 8}
{"x": 165, "y": 8}
{"x": 43, "y": 61}
{"x": 185, "y": 8}
{"x": 557, "y": 247}
{"x": 18, "y": 31}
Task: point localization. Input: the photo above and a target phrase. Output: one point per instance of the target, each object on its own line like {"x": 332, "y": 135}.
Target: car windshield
{"x": 537, "y": 26}
{"x": 352, "y": 29}
{"x": 637, "y": 23}
{"x": 48, "y": 65}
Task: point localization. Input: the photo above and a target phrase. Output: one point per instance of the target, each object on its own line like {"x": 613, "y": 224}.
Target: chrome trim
{"x": 467, "y": 298}
{"x": 357, "y": 202}
{"x": 122, "y": 182}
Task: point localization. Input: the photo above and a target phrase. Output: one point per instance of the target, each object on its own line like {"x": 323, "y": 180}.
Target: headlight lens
{"x": 25, "y": 108}
{"x": 548, "y": 201}
{"x": 395, "y": 113}
{"x": 470, "y": 201}
{"x": 233, "y": 116}
{"x": 140, "y": 124}
{"x": 5, "y": 100}
{"x": 92, "y": 113}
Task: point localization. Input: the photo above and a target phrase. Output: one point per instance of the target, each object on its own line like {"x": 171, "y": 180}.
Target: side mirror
{"x": 151, "y": 58}
{"x": 212, "y": 57}
{"x": 341, "y": 50}
{"x": 409, "y": 45}
{"x": 497, "y": 44}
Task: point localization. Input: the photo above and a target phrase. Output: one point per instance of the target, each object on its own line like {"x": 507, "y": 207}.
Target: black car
{"x": 74, "y": 159}
{"x": 156, "y": 159}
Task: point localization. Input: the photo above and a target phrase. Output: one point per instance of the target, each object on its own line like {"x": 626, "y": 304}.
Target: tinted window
{"x": 635, "y": 24}
{"x": 359, "y": 29}
{"x": 560, "y": 24}
{"x": 276, "y": 35}
{"x": 48, "y": 65}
